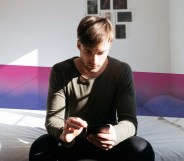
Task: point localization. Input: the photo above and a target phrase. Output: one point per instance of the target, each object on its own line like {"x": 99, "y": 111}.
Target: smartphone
{"x": 94, "y": 129}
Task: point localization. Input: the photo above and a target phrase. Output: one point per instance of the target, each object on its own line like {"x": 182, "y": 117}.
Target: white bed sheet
{"x": 19, "y": 128}
{"x": 166, "y": 137}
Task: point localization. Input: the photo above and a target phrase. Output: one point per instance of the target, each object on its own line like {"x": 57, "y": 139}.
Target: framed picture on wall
{"x": 92, "y": 7}
{"x": 119, "y": 4}
{"x": 120, "y": 31}
{"x": 123, "y": 16}
{"x": 105, "y": 4}
{"x": 108, "y": 15}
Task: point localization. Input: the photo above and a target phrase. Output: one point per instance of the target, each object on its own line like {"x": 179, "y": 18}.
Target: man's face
{"x": 93, "y": 58}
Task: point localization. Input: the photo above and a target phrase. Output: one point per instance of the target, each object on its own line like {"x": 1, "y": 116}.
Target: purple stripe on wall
{"x": 160, "y": 94}
{"x": 149, "y": 85}
{"x": 25, "y": 87}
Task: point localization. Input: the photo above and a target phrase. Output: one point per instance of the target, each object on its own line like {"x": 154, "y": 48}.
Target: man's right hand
{"x": 72, "y": 128}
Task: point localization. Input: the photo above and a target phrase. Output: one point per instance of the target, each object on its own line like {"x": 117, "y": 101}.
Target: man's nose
{"x": 94, "y": 58}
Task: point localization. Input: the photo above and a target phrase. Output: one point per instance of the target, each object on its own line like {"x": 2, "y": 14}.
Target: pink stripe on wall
{"x": 25, "y": 87}
{"x": 177, "y": 85}
{"x": 16, "y": 76}
{"x": 149, "y": 85}
{"x": 12, "y": 77}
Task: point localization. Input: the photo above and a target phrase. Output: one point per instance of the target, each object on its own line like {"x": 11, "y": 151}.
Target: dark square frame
{"x": 92, "y": 7}
{"x": 119, "y": 4}
{"x": 124, "y": 16}
{"x": 105, "y": 4}
{"x": 120, "y": 31}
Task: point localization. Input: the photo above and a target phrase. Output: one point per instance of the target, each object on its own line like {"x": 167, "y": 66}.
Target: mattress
{"x": 19, "y": 128}
{"x": 166, "y": 136}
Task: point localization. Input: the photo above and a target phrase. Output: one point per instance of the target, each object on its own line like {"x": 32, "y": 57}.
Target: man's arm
{"x": 124, "y": 130}
{"x": 126, "y": 106}
{"x": 55, "y": 115}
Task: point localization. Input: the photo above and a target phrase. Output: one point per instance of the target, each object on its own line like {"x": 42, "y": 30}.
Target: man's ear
{"x": 110, "y": 44}
{"x": 78, "y": 44}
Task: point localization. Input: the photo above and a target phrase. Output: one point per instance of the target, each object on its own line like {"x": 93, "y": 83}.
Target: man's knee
{"x": 141, "y": 148}
{"x": 135, "y": 149}
{"x": 42, "y": 147}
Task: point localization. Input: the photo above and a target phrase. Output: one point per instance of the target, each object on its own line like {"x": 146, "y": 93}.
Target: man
{"x": 91, "y": 90}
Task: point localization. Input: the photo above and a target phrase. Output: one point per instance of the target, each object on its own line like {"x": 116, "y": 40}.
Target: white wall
{"x": 147, "y": 47}
{"x": 177, "y": 35}
{"x": 43, "y": 32}
{"x": 46, "y": 28}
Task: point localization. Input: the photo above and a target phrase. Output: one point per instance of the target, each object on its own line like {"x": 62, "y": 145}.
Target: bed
{"x": 19, "y": 128}
{"x": 161, "y": 121}
{"x": 165, "y": 136}
{"x": 23, "y": 92}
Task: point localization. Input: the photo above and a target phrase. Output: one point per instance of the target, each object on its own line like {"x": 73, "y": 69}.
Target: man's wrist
{"x": 66, "y": 144}
{"x": 63, "y": 142}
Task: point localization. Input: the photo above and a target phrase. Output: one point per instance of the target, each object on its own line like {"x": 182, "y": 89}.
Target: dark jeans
{"x": 46, "y": 148}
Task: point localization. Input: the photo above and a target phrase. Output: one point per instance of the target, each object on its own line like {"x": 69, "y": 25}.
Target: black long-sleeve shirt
{"x": 107, "y": 99}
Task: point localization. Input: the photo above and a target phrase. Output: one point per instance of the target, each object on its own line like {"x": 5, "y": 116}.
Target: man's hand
{"x": 72, "y": 128}
{"x": 104, "y": 139}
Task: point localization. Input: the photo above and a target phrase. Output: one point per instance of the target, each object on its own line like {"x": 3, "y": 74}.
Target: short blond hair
{"x": 93, "y": 30}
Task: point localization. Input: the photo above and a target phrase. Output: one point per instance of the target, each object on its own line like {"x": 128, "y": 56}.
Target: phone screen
{"x": 94, "y": 129}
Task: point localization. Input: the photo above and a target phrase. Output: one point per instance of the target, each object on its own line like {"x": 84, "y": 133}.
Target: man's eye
{"x": 100, "y": 53}
{"x": 87, "y": 52}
